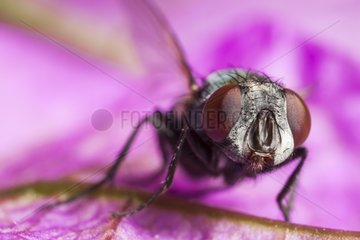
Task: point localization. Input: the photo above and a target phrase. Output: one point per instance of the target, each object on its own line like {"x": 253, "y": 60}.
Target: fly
{"x": 237, "y": 124}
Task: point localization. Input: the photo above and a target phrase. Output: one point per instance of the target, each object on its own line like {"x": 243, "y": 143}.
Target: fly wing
{"x": 161, "y": 57}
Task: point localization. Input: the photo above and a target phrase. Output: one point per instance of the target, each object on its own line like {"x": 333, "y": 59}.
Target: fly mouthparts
{"x": 259, "y": 161}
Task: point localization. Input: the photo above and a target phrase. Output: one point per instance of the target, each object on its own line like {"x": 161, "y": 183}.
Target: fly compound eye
{"x": 221, "y": 111}
{"x": 298, "y": 116}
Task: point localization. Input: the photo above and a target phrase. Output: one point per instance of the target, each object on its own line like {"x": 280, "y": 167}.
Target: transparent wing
{"x": 155, "y": 41}
{"x": 60, "y": 80}
{"x": 153, "y": 53}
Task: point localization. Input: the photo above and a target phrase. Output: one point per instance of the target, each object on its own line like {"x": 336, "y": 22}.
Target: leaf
{"x": 168, "y": 218}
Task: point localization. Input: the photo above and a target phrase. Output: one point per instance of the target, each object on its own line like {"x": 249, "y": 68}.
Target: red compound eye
{"x": 221, "y": 111}
{"x": 298, "y": 116}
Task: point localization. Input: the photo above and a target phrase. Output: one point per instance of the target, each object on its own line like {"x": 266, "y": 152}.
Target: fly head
{"x": 255, "y": 121}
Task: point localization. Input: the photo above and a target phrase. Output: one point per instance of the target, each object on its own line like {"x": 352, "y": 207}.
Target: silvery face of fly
{"x": 256, "y": 128}
{"x": 262, "y": 132}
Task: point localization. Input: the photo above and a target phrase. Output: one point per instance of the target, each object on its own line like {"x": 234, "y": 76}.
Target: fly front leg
{"x": 111, "y": 172}
{"x": 166, "y": 183}
{"x": 290, "y": 183}
{"x": 167, "y": 139}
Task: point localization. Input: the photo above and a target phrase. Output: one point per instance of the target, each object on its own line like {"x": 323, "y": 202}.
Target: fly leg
{"x": 165, "y": 184}
{"x": 165, "y": 137}
{"x": 290, "y": 183}
{"x": 110, "y": 174}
